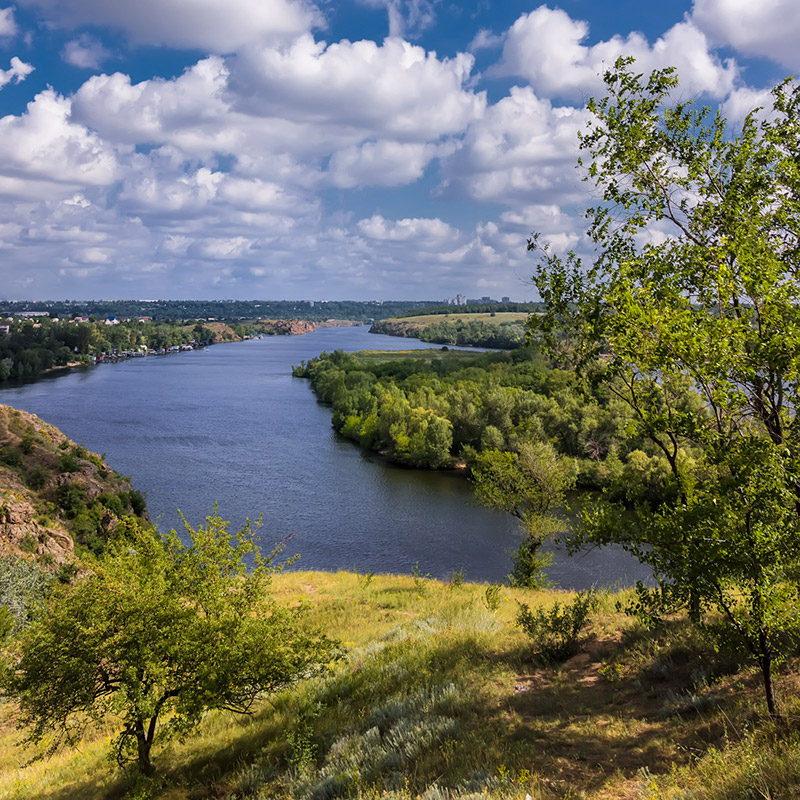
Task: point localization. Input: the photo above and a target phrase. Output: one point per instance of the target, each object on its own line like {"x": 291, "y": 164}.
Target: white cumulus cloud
{"x": 524, "y": 149}
{"x": 8, "y": 26}
{"x": 42, "y": 152}
{"x": 768, "y": 28}
{"x": 380, "y": 163}
{"x": 407, "y": 18}
{"x": 395, "y": 88}
{"x": 84, "y": 52}
{"x": 546, "y": 47}
{"x": 17, "y": 72}
{"x": 405, "y": 230}
{"x": 196, "y": 24}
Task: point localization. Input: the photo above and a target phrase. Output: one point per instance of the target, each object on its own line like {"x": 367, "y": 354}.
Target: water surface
{"x": 230, "y": 425}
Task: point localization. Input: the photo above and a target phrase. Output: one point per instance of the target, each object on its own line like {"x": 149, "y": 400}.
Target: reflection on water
{"x": 230, "y": 425}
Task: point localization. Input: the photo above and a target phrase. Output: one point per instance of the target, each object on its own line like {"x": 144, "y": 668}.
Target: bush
{"x": 36, "y": 477}
{"x": 27, "y": 442}
{"x": 555, "y": 632}
{"x": 529, "y": 566}
{"x": 11, "y": 456}
{"x": 68, "y": 462}
{"x": 137, "y": 502}
{"x": 23, "y": 586}
{"x": 114, "y": 503}
{"x": 66, "y": 572}
{"x": 71, "y": 499}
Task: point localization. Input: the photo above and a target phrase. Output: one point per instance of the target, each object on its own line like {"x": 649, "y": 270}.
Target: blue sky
{"x": 336, "y": 149}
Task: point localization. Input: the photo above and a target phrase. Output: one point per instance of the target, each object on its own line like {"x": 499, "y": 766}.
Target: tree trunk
{"x": 143, "y": 745}
{"x": 765, "y": 659}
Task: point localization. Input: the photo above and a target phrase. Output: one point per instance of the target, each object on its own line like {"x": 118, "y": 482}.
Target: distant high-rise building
{"x": 505, "y": 300}
{"x": 486, "y": 299}
{"x": 461, "y": 300}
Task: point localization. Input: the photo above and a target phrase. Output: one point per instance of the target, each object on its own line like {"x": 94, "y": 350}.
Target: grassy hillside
{"x": 54, "y": 493}
{"x": 439, "y": 694}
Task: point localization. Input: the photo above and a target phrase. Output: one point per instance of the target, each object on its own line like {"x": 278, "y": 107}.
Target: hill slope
{"x": 439, "y": 695}
{"x": 54, "y": 493}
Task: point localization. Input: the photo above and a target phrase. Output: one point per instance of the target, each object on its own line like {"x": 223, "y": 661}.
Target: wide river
{"x": 230, "y": 425}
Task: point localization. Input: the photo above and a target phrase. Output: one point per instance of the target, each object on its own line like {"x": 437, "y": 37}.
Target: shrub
{"x": 138, "y": 503}
{"x": 68, "y": 462}
{"x": 11, "y": 456}
{"x": 555, "y": 632}
{"x": 27, "y": 442}
{"x": 36, "y": 477}
{"x": 71, "y": 499}
{"x": 23, "y": 586}
{"x": 492, "y": 597}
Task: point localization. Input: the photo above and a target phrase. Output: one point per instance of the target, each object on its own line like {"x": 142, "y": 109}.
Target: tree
{"x": 527, "y": 484}
{"x": 158, "y": 634}
{"x": 695, "y": 290}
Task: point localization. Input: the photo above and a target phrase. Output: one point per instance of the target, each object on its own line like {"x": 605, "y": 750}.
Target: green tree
{"x": 158, "y": 634}
{"x": 529, "y": 485}
{"x": 695, "y": 290}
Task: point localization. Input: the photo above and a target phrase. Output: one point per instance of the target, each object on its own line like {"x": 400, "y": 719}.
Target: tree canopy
{"x": 158, "y": 634}
{"x": 696, "y": 284}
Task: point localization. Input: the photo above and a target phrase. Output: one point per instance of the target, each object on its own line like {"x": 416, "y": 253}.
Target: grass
{"x": 438, "y": 696}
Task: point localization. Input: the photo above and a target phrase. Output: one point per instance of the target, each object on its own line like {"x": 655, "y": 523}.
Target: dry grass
{"x": 437, "y": 696}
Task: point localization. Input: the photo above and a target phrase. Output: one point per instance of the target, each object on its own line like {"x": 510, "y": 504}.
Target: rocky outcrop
{"x": 339, "y": 323}
{"x": 21, "y": 533}
{"x": 286, "y": 327}
{"x": 53, "y": 490}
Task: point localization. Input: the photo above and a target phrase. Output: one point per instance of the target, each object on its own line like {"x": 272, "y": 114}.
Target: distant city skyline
{"x": 350, "y": 150}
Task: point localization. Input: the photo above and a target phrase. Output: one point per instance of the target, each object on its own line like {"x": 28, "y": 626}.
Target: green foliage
{"x": 555, "y": 633}
{"x": 457, "y": 577}
{"x": 713, "y": 305}
{"x": 528, "y": 484}
{"x": 419, "y": 579}
{"x": 27, "y": 443}
{"x": 10, "y": 456}
{"x": 68, "y": 461}
{"x": 23, "y": 587}
{"x": 158, "y": 634}
{"x": 137, "y": 503}
{"x": 71, "y": 498}
{"x": 37, "y": 476}
{"x": 428, "y": 411}
{"x": 492, "y": 596}
{"x": 474, "y": 333}
{"x": 530, "y": 565}
{"x": 66, "y": 572}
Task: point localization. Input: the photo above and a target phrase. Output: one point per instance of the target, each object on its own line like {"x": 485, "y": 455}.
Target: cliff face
{"x": 54, "y": 492}
{"x": 286, "y": 327}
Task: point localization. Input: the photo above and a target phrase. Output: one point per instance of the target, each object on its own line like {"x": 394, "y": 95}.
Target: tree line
{"x": 32, "y": 347}
{"x": 223, "y": 310}
{"x": 460, "y": 332}
{"x": 436, "y": 412}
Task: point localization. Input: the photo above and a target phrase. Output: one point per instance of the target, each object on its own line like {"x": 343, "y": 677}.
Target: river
{"x": 230, "y": 425}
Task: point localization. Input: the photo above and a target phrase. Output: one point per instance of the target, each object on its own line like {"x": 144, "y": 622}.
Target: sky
{"x": 337, "y": 149}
